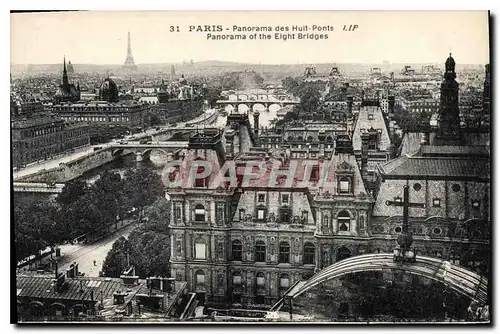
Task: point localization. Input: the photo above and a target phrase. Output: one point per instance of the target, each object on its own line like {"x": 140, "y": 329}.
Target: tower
{"x": 129, "y": 61}
{"x": 172, "y": 72}
{"x": 65, "y": 76}
{"x": 449, "y": 117}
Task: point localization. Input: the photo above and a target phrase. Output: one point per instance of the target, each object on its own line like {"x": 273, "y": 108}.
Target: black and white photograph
{"x": 251, "y": 167}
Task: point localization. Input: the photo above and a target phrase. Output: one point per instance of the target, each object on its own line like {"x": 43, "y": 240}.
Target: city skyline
{"x": 85, "y": 37}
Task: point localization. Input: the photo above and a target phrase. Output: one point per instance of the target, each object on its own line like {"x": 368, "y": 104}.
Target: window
{"x": 285, "y": 215}
{"x": 236, "y": 250}
{"x": 417, "y": 186}
{"x": 305, "y": 215}
{"x": 436, "y": 231}
{"x": 237, "y": 278}
{"x": 397, "y": 229}
{"x": 199, "y": 213}
{"x": 220, "y": 214}
{"x": 362, "y": 222}
{"x": 262, "y": 198}
{"x": 370, "y": 117}
{"x": 200, "y": 249}
{"x": 315, "y": 172}
{"x": 344, "y": 186}
{"x": 436, "y": 202}
{"x": 200, "y": 278}
{"x": 284, "y": 199}
{"x": 284, "y": 252}
{"x": 344, "y": 221}
{"x": 178, "y": 212}
{"x": 284, "y": 281}
{"x": 200, "y": 182}
{"x": 309, "y": 251}
{"x": 261, "y": 279}
{"x": 475, "y": 204}
{"x": 261, "y": 214}
{"x": 242, "y": 214}
{"x": 260, "y": 251}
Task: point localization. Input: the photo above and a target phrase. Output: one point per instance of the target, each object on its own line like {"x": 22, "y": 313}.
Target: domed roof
{"x": 108, "y": 91}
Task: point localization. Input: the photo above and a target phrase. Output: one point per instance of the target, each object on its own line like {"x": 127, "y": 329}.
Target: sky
{"x": 100, "y": 37}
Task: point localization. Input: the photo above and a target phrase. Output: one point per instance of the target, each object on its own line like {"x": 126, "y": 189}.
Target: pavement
{"x": 85, "y": 254}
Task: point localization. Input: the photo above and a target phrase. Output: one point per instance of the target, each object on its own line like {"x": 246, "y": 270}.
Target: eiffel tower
{"x": 129, "y": 62}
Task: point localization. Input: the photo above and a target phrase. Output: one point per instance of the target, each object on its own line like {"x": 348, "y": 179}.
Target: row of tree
{"x": 147, "y": 247}
{"x": 82, "y": 209}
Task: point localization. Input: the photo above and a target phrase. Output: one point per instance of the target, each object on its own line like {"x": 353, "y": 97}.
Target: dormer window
{"x": 370, "y": 117}
{"x": 344, "y": 186}
{"x": 242, "y": 214}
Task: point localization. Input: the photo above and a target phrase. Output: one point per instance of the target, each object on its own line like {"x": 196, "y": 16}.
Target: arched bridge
{"x": 143, "y": 151}
{"x": 251, "y": 102}
{"x": 456, "y": 277}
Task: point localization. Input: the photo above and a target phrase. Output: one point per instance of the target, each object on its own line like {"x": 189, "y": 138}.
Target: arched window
{"x": 200, "y": 249}
{"x": 284, "y": 252}
{"x": 199, "y": 213}
{"x": 309, "y": 138}
{"x": 236, "y": 250}
{"x": 260, "y": 251}
{"x": 309, "y": 252}
{"x": 200, "y": 279}
{"x": 344, "y": 221}
{"x": 300, "y": 138}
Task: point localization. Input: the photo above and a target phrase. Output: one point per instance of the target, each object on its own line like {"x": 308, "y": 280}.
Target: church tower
{"x": 449, "y": 117}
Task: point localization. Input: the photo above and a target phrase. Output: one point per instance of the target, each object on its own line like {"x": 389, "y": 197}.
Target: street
{"x": 85, "y": 254}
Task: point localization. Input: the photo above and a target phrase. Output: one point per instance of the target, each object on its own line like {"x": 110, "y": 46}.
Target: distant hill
{"x": 216, "y": 67}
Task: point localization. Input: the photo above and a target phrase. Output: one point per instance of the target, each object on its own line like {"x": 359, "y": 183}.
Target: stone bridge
{"x": 266, "y": 100}
{"x": 458, "y": 278}
{"x": 143, "y": 151}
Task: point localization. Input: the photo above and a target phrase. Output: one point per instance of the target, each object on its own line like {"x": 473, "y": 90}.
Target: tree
{"x": 150, "y": 253}
{"x": 309, "y": 99}
{"x": 116, "y": 259}
{"x": 142, "y": 187}
{"x": 37, "y": 226}
{"x": 71, "y": 191}
{"x": 158, "y": 216}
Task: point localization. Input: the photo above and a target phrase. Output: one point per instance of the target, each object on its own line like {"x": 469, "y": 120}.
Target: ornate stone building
{"x": 247, "y": 243}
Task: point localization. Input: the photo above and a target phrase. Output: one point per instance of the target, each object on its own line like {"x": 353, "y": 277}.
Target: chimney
{"x": 75, "y": 269}
{"x": 365, "y": 138}
{"x": 349, "y": 104}
{"x": 56, "y": 268}
{"x": 256, "y": 123}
